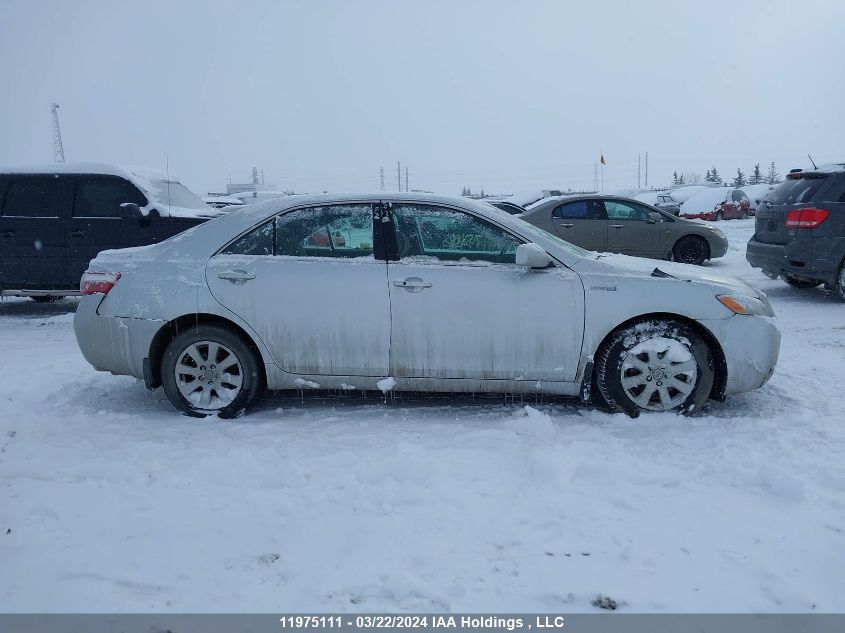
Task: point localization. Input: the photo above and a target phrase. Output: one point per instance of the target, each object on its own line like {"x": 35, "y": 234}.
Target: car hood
{"x": 625, "y": 266}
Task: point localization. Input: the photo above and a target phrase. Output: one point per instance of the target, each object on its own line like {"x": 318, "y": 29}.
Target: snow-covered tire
{"x": 801, "y": 282}
{"x": 655, "y": 365}
{"x": 719, "y": 216}
{"x": 771, "y": 274}
{"x": 218, "y": 373}
{"x": 691, "y": 249}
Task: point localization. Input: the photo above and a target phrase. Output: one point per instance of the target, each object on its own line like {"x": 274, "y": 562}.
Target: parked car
{"x": 625, "y": 225}
{"x": 55, "y": 219}
{"x": 222, "y": 202}
{"x": 756, "y": 194}
{"x": 682, "y": 193}
{"x": 799, "y": 232}
{"x": 426, "y": 293}
{"x": 717, "y": 203}
{"x": 509, "y": 207}
{"x": 662, "y": 200}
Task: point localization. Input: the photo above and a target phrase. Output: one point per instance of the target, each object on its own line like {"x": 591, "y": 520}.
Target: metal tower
{"x": 58, "y": 150}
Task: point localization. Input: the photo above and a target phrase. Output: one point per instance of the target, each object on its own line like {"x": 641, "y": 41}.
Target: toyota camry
{"x": 415, "y": 292}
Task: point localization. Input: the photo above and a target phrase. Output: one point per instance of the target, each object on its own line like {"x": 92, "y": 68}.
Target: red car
{"x": 717, "y": 203}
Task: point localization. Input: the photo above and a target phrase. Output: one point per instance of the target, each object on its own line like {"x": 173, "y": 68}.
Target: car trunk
{"x": 797, "y": 191}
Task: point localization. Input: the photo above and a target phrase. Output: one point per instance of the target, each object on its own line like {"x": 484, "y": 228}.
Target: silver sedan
{"x": 414, "y": 292}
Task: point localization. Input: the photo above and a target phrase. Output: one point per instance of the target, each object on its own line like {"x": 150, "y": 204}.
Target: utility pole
{"x": 381, "y": 176}
{"x": 58, "y": 150}
{"x": 255, "y": 176}
{"x": 646, "y": 169}
{"x": 399, "y": 175}
{"x": 406, "y": 178}
{"x": 595, "y": 177}
{"x": 639, "y": 156}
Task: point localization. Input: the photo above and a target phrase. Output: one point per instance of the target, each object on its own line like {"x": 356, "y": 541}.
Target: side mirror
{"x": 654, "y": 217}
{"x": 131, "y": 211}
{"x": 532, "y": 256}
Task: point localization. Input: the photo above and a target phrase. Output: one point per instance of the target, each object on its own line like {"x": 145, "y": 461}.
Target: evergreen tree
{"x": 681, "y": 179}
{"x": 675, "y": 178}
{"x": 714, "y": 176}
{"x": 739, "y": 181}
{"x": 482, "y": 193}
{"x": 756, "y": 176}
{"x": 774, "y": 176}
{"x": 464, "y": 191}
{"x": 469, "y": 192}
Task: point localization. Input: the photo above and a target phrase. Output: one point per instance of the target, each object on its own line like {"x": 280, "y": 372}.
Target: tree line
{"x": 712, "y": 176}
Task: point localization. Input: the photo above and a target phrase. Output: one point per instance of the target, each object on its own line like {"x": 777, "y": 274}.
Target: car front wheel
{"x": 658, "y": 366}
{"x": 690, "y": 250}
{"x": 210, "y": 370}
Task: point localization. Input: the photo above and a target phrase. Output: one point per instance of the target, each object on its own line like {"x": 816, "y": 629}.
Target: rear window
{"x": 38, "y": 197}
{"x": 798, "y": 190}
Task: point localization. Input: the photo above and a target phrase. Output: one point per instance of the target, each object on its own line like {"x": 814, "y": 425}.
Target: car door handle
{"x": 9, "y": 234}
{"x": 235, "y": 275}
{"x": 567, "y": 226}
{"x": 77, "y": 233}
{"x": 616, "y": 226}
{"x": 412, "y": 284}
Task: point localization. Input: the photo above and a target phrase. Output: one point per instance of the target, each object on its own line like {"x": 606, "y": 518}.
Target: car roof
{"x": 546, "y": 202}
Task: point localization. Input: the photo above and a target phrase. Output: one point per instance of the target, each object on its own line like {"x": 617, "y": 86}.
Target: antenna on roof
{"x": 58, "y": 149}
{"x": 167, "y": 172}
{"x": 812, "y": 161}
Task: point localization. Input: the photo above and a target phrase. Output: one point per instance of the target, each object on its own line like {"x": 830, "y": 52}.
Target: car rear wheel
{"x": 801, "y": 282}
{"x": 690, "y": 249}
{"x": 210, "y": 370}
{"x": 719, "y": 215}
{"x": 656, "y": 366}
{"x": 840, "y": 281}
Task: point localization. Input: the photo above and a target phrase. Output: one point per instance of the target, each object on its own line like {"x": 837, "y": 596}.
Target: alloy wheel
{"x": 208, "y": 375}
{"x": 659, "y": 374}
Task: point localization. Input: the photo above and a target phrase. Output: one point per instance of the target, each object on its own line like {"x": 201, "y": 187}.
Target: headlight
{"x": 739, "y": 304}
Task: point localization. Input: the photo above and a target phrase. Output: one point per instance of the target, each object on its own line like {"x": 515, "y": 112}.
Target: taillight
{"x": 93, "y": 283}
{"x": 806, "y": 218}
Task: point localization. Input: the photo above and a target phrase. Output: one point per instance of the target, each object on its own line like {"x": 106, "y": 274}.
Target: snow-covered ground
{"x": 112, "y": 501}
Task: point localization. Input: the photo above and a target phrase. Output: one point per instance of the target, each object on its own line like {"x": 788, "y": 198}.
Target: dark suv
{"x": 800, "y": 230}
{"x": 54, "y": 220}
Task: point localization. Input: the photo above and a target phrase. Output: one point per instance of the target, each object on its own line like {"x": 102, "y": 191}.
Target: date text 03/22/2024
{"x": 477, "y": 622}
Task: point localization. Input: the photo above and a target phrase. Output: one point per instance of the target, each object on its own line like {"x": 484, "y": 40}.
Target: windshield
{"x": 173, "y": 193}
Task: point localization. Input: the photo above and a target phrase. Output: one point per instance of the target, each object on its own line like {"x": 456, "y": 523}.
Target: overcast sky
{"x": 495, "y": 95}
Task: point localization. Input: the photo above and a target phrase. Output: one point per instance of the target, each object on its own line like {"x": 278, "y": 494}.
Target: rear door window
{"x": 578, "y": 210}
{"x": 344, "y": 230}
{"x": 101, "y": 196}
{"x": 48, "y": 196}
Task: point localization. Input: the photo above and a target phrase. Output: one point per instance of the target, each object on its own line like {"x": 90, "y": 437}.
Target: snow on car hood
{"x": 627, "y": 266}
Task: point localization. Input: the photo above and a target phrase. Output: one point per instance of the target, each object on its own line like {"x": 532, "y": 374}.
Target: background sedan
{"x": 625, "y": 225}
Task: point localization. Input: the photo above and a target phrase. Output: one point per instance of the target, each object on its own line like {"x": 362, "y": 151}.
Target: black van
{"x": 55, "y": 219}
